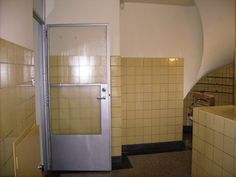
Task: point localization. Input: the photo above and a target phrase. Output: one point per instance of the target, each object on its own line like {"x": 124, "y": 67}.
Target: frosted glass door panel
{"x": 76, "y": 110}
{"x": 77, "y": 69}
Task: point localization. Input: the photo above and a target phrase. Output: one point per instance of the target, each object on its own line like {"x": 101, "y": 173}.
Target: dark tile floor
{"x": 171, "y": 164}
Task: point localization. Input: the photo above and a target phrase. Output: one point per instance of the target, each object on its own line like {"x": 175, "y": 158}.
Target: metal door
{"x": 79, "y": 99}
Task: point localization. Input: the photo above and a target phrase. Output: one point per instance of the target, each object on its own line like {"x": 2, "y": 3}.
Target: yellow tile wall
{"x": 224, "y": 77}
{"x": 214, "y": 145}
{"x": 152, "y": 100}
{"x": 17, "y": 101}
{"x": 116, "y": 107}
{"x": 146, "y": 101}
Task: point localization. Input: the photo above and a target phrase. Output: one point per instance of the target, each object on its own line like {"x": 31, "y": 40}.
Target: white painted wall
{"x": 16, "y": 22}
{"x": 218, "y": 21}
{"x": 152, "y": 30}
{"x": 84, "y": 11}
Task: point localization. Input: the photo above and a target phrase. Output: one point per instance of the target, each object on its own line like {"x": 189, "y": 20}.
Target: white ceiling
{"x": 169, "y": 2}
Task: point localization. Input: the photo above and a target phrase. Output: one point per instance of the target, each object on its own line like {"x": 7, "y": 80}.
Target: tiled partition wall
{"x": 214, "y": 143}
{"x": 116, "y": 108}
{"x": 219, "y": 83}
{"x": 149, "y": 91}
{"x": 152, "y": 100}
{"x": 17, "y": 107}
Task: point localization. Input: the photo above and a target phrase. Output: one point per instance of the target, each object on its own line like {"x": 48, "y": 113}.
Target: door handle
{"x": 41, "y": 167}
{"x": 101, "y": 98}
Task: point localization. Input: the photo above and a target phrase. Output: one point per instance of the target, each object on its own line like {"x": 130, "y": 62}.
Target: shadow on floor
{"x": 171, "y": 164}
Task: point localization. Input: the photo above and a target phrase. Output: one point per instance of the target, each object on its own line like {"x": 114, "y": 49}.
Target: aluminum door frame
{"x": 46, "y": 133}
